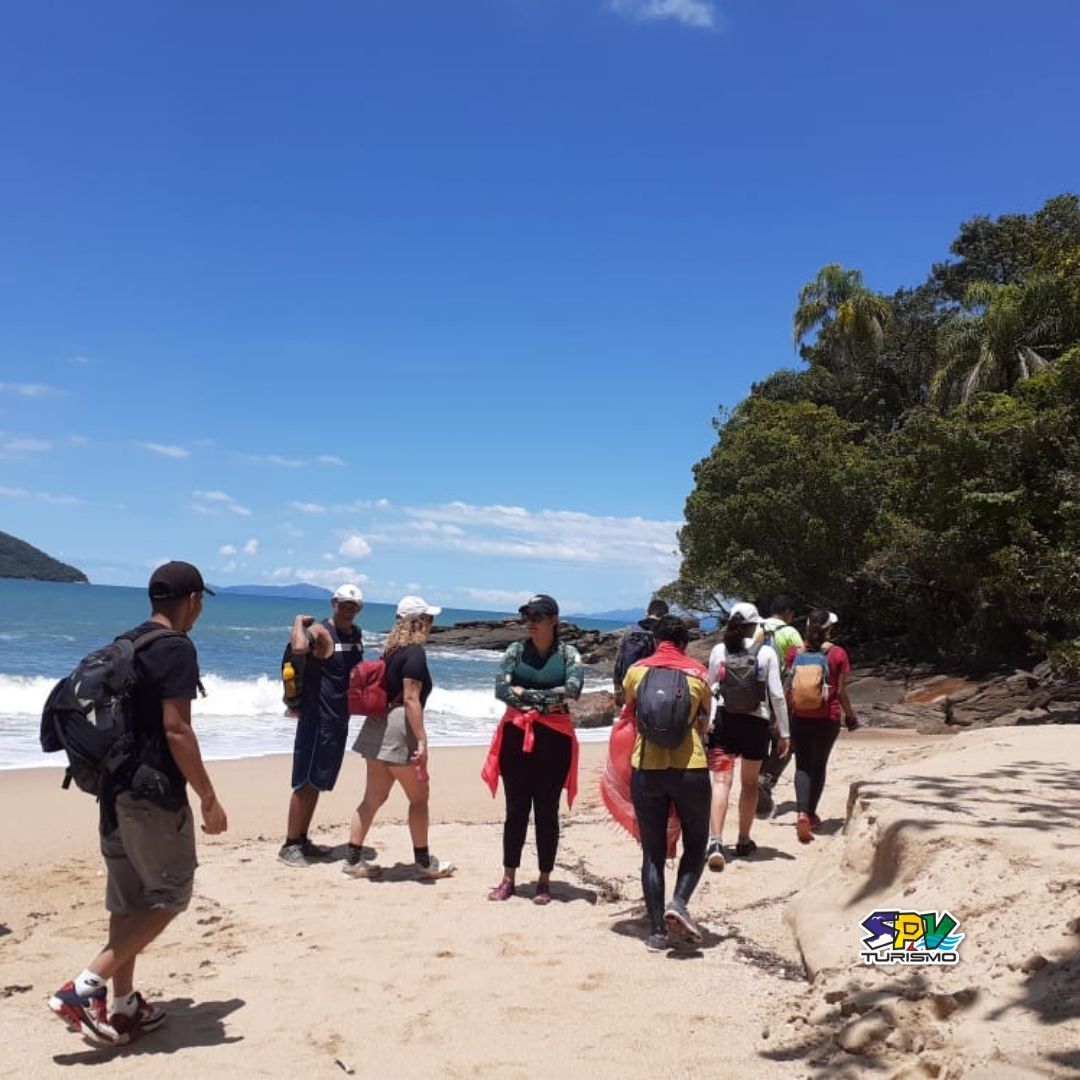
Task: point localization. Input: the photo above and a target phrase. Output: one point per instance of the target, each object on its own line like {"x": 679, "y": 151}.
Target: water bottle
{"x": 288, "y": 677}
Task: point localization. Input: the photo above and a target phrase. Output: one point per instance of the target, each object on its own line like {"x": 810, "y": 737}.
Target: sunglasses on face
{"x": 534, "y": 618}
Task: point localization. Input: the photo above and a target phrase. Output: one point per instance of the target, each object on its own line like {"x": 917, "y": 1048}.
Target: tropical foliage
{"x": 921, "y": 471}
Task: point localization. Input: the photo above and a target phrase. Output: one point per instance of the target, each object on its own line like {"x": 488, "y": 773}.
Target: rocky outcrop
{"x": 593, "y": 709}
{"x": 944, "y": 703}
{"x": 597, "y": 647}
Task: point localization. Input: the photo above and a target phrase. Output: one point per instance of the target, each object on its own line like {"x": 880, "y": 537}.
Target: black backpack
{"x": 636, "y": 644}
{"x": 662, "y": 707}
{"x": 88, "y": 715}
{"x": 744, "y": 686}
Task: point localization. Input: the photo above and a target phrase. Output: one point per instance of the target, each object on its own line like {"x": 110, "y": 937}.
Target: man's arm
{"x": 184, "y": 747}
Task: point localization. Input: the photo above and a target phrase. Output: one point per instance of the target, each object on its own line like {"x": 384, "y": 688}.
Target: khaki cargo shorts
{"x": 149, "y": 858}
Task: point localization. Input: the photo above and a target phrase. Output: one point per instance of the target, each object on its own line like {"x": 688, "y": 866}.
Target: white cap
{"x": 349, "y": 594}
{"x": 746, "y": 612}
{"x": 411, "y": 607}
{"x": 832, "y": 620}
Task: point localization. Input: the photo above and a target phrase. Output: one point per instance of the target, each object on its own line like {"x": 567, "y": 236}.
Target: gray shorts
{"x": 149, "y": 858}
{"x": 387, "y": 739}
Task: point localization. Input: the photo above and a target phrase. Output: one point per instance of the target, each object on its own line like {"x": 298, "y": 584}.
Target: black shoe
{"x": 657, "y": 941}
{"x": 764, "y": 799}
{"x": 745, "y": 850}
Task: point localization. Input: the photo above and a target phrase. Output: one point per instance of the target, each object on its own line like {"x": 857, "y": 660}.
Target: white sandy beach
{"x": 280, "y": 972}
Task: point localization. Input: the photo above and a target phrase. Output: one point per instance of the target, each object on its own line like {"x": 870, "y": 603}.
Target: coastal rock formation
{"x": 597, "y": 647}
{"x": 594, "y": 709}
{"x": 921, "y": 700}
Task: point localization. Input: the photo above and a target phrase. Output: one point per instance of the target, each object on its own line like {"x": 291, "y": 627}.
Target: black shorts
{"x": 318, "y": 752}
{"x": 741, "y": 735}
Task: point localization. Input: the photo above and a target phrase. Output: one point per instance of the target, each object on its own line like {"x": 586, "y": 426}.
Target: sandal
{"x": 503, "y": 891}
{"x": 543, "y": 893}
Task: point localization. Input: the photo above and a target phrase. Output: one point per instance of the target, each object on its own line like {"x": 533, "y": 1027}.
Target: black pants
{"x": 813, "y": 741}
{"x": 533, "y": 782}
{"x": 654, "y": 791}
{"x": 774, "y": 765}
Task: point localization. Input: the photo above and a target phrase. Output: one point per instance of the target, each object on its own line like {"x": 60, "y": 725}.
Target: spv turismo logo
{"x": 910, "y": 937}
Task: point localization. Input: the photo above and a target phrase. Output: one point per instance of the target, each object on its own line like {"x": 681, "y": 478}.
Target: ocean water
{"x": 46, "y": 628}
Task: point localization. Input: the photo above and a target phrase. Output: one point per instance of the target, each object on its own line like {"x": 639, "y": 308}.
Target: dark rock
{"x": 594, "y": 709}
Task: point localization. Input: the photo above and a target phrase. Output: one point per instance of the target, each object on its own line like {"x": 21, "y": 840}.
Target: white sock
{"x": 128, "y": 1005}
{"x": 87, "y": 983}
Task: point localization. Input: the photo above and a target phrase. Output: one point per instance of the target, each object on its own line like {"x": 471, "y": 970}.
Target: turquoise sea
{"x": 46, "y": 628}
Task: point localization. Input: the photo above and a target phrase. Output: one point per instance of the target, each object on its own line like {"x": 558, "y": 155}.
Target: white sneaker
{"x": 436, "y": 869}
{"x": 715, "y": 857}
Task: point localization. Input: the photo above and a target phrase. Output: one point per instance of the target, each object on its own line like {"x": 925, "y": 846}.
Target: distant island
{"x": 299, "y": 591}
{"x": 18, "y": 559}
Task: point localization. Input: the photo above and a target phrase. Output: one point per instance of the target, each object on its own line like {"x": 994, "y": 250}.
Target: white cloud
{"x": 78, "y": 440}
{"x": 328, "y": 579}
{"x": 355, "y": 547}
{"x": 503, "y": 599}
{"x": 227, "y": 549}
{"x": 329, "y": 459}
{"x": 39, "y": 496}
{"x": 308, "y": 507}
{"x": 697, "y": 13}
{"x": 210, "y": 502}
{"x": 30, "y": 390}
{"x": 546, "y": 535}
{"x": 251, "y": 547}
{"x": 165, "y": 450}
{"x": 11, "y": 446}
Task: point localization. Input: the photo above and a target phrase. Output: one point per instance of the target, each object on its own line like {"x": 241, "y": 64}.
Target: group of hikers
{"x": 667, "y": 742}
{"x": 765, "y": 692}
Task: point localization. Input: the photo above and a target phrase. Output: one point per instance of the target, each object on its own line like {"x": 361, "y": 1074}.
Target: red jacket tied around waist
{"x": 559, "y": 721}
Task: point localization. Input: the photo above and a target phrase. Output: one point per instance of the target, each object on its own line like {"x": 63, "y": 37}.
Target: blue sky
{"x": 444, "y": 295}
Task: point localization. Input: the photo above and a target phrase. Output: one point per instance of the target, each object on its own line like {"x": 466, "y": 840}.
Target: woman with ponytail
{"x": 814, "y": 730}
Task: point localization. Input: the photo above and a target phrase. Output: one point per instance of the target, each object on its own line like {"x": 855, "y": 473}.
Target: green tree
{"x": 781, "y": 504}
{"x": 1008, "y": 334}
{"x": 846, "y": 314}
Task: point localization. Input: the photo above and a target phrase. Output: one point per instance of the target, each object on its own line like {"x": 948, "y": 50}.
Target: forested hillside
{"x": 18, "y": 559}
{"x": 920, "y": 471}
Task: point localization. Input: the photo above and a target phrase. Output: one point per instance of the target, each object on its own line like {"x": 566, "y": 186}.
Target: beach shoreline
{"x": 410, "y": 978}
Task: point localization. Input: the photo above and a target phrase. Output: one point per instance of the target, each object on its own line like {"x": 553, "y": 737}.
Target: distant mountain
{"x": 627, "y": 615}
{"x": 299, "y": 591}
{"x": 18, "y": 559}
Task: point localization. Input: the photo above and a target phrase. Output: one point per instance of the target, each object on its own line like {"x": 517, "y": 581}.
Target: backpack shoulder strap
{"x": 151, "y": 636}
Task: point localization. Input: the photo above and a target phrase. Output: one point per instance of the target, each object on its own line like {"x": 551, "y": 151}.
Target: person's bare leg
{"x": 129, "y": 935}
{"x": 721, "y": 793}
{"x": 376, "y": 791}
{"x": 748, "y": 797}
{"x": 302, "y": 805}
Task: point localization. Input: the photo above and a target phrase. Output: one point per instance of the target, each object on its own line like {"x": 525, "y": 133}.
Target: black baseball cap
{"x": 541, "y": 604}
{"x": 173, "y": 580}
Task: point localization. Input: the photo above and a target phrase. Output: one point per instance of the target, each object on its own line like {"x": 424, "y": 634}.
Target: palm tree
{"x": 838, "y": 301}
{"x": 1008, "y": 334}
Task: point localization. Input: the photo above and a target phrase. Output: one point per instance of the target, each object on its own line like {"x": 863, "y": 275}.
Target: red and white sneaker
{"x": 86, "y": 1014}
{"x": 146, "y": 1017}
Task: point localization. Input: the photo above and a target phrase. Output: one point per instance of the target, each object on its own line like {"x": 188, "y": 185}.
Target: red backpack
{"x": 367, "y": 689}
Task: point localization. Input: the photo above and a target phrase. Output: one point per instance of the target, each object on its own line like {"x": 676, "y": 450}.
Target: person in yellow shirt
{"x": 668, "y": 695}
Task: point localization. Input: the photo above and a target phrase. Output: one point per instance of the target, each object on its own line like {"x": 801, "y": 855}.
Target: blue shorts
{"x": 318, "y": 752}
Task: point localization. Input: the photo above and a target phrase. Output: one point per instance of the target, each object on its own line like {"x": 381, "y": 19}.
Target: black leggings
{"x": 654, "y": 791}
{"x": 813, "y": 742}
{"x": 533, "y": 782}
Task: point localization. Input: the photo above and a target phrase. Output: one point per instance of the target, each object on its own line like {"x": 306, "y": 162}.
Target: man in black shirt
{"x": 149, "y": 844}
{"x": 331, "y": 650}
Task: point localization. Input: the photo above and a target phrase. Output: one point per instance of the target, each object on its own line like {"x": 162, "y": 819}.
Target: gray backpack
{"x": 663, "y": 706}
{"x": 744, "y": 684}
